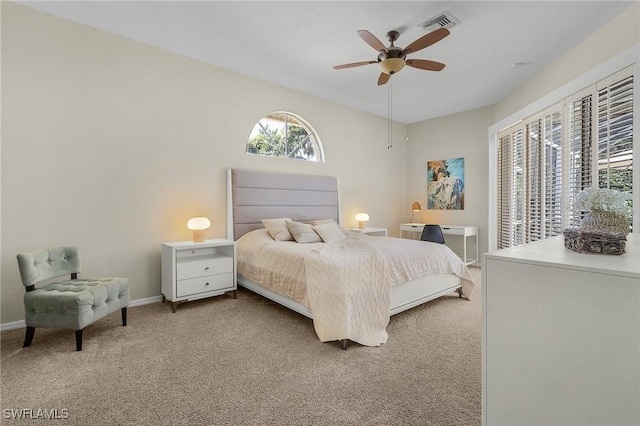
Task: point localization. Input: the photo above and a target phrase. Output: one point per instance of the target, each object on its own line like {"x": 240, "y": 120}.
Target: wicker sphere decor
{"x": 596, "y": 241}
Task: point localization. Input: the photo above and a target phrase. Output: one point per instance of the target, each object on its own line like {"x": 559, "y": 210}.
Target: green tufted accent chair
{"x": 72, "y": 304}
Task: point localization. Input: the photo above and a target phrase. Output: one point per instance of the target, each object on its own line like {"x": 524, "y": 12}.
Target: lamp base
{"x": 361, "y": 225}
{"x": 198, "y": 236}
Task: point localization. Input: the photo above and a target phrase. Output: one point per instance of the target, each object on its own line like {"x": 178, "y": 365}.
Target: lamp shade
{"x": 391, "y": 65}
{"x": 362, "y": 219}
{"x": 198, "y": 223}
{"x": 198, "y": 226}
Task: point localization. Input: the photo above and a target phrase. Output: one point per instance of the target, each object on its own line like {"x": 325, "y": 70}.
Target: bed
{"x": 381, "y": 280}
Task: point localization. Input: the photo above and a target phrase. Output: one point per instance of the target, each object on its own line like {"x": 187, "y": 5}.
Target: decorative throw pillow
{"x": 330, "y": 232}
{"x": 277, "y": 228}
{"x": 321, "y": 221}
{"x": 302, "y": 232}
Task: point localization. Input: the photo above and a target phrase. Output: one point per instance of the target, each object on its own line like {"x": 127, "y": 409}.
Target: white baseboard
{"x": 12, "y": 325}
{"x": 145, "y": 301}
{"x": 138, "y": 302}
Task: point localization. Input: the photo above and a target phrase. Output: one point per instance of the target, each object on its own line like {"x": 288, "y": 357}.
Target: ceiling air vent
{"x": 441, "y": 20}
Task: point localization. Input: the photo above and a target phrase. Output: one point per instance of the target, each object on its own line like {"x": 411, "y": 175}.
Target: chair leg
{"x": 28, "y": 338}
{"x": 78, "y": 340}
{"x": 124, "y": 316}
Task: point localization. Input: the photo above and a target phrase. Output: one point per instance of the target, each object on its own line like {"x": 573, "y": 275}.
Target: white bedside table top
{"x": 212, "y": 242}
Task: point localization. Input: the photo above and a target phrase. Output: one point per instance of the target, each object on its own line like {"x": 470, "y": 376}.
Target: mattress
{"x": 280, "y": 265}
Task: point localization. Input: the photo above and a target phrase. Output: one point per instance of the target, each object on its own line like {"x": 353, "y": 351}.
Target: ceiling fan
{"x": 392, "y": 59}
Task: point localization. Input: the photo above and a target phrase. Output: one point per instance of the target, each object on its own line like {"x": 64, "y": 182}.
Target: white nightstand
{"x": 378, "y": 232}
{"x": 192, "y": 271}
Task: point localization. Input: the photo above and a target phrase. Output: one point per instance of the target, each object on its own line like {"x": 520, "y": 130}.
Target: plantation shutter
{"x": 552, "y": 174}
{"x": 579, "y": 150}
{"x": 615, "y": 132}
{"x": 510, "y": 187}
{"x": 532, "y": 180}
{"x": 505, "y": 192}
{"x": 518, "y": 187}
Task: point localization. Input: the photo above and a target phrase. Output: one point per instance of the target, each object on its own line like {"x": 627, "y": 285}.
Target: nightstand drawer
{"x": 199, "y": 266}
{"x": 204, "y": 284}
{"x": 411, "y": 228}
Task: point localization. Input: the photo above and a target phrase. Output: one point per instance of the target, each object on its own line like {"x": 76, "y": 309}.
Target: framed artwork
{"x": 445, "y": 184}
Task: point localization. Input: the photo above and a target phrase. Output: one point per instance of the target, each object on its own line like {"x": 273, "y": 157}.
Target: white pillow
{"x": 302, "y": 232}
{"x": 330, "y": 232}
{"x": 278, "y": 229}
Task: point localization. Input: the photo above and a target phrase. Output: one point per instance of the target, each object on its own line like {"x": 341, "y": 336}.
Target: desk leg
{"x": 464, "y": 244}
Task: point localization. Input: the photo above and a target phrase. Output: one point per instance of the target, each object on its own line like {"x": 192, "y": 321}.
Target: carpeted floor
{"x": 248, "y": 361}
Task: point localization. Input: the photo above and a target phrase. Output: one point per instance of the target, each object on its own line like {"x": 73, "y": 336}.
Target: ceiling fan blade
{"x": 384, "y": 77}
{"x": 353, "y": 64}
{"x": 424, "y": 64}
{"x": 371, "y": 40}
{"x": 426, "y": 40}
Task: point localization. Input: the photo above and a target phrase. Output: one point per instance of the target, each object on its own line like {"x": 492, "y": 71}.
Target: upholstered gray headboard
{"x": 253, "y": 195}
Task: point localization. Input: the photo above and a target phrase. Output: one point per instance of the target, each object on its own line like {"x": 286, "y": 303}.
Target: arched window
{"x": 286, "y": 135}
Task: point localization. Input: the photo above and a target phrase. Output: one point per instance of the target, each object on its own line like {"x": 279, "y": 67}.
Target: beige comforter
{"x": 316, "y": 275}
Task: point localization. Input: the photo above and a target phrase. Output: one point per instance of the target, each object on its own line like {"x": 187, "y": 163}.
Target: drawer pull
{"x": 206, "y": 284}
{"x": 206, "y": 269}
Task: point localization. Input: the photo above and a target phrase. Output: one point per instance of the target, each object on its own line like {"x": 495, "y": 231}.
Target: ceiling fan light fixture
{"x": 393, "y": 58}
{"x": 392, "y": 65}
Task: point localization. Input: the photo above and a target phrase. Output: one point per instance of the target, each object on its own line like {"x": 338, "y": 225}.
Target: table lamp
{"x": 362, "y": 219}
{"x": 415, "y": 207}
{"x": 198, "y": 225}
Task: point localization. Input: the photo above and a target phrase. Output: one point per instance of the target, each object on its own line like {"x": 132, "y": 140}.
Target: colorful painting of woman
{"x": 445, "y": 184}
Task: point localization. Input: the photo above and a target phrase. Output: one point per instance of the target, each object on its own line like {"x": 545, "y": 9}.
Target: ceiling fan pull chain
{"x": 390, "y": 117}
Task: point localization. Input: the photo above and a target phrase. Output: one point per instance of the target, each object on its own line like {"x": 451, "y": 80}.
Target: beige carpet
{"x": 249, "y": 361}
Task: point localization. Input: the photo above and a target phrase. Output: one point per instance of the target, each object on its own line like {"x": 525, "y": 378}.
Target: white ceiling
{"x": 295, "y": 44}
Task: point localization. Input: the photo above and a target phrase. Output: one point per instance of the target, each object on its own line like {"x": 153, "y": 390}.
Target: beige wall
{"x": 618, "y": 35}
{"x": 457, "y": 135}
{"x": 112, "y": 145}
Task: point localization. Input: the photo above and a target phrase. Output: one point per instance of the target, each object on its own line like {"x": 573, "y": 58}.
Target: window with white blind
{"x": 546, "y": 159}
{"x": 552, "y": 172}
{"x": 615, "y": 133}
{"x": 578, "y": 123}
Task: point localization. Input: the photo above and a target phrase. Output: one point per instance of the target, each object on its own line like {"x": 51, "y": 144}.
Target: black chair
{"x": 432, "y": 233}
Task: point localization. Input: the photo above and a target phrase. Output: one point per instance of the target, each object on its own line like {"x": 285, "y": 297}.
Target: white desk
{"x": 463, "y": 230}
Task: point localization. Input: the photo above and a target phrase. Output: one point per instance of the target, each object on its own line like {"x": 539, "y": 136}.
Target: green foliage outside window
{"x": 284, "y": 135}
